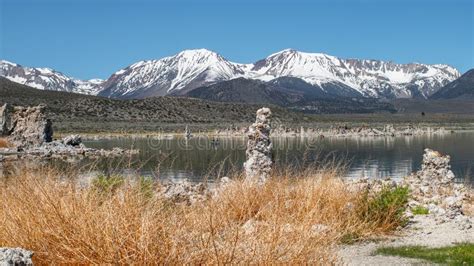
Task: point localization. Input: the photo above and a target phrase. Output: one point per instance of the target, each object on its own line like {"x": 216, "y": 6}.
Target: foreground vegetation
{"x": 294, "y": 218}
{"x": 460, "y": 254}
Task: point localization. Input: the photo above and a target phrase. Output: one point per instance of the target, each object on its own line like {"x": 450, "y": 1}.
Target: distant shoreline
{"x": 216, "y": 132}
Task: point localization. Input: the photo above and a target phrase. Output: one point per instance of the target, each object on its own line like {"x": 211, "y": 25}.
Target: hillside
{"x": 289, "y": 92}
{"x": 443, "y": 106}
{"x": 243, "y": 90}
{"x": 69, "y": 110}
{"x": 463, "y": 87}
{"x": 83, "y": 113}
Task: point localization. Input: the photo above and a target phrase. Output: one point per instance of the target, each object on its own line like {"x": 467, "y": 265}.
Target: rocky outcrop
{"x": 4, "y": 119}
{"x": 72, "y": 140}
{"x": 25, "y": 126}
{"x": 31, "y": 134}
{"x": 15, "y": 256}
{"x": 433, "y": 187}
{"x": 372, "y": 186}
{"x": 48, "y": 131}
{"x": 57, "y": 149}
{"x": 184, "y": 191}
{"x": 259, "y": 148}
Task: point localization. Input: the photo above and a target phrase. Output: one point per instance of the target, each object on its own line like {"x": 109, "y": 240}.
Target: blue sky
{"x": 94, "y": 38}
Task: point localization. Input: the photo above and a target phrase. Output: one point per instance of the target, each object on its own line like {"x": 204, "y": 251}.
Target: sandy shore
{"x": 423, "y": 230}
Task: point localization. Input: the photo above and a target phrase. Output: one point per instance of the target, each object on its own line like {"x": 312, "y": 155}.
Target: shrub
{"x": 4, "y": 143}
{"x": 420, "y": 210}
{"x": 107, "y": 184}
{"x": 385, "y": 207}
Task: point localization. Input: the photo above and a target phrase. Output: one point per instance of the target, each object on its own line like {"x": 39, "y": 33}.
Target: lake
{"x": 376, "y": 157}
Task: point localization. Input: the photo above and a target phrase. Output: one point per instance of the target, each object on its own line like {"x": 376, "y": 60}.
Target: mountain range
{"x": 48, "y": 79}
{"x": 320, "y": 75}
{"x": 463, "y": 87}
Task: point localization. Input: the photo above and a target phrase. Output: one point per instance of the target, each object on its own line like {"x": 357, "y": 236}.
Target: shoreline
{"x": 92, "y": 136}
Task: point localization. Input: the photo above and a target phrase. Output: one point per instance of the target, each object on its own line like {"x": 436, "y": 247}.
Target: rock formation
{"x": 48, "y": 131}
{"x": 72, "y": 140}
{"x": 31, "y": 133}
{"x": 5, "y": 119}
{"x": 184, "y": 191}
{"x": 259, "y": 148}
{"x": 25, "y": 126}
{"x": 15, "y": 256}
{"x": 433, "y": 187}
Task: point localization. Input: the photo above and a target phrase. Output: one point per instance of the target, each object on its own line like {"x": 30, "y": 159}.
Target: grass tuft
{"x": 420, "y": 210}
{"x": 460, "y": 254}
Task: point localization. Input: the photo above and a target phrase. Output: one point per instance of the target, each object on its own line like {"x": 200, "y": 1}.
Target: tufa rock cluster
{"x": 15, "y": 256}
{"x": 31, "y": 133}
{"x": 185, "y": 192}
{"x": 433, "y": 187}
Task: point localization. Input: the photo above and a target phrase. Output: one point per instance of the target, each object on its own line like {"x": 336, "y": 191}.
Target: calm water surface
{"x": 203, "y": 157}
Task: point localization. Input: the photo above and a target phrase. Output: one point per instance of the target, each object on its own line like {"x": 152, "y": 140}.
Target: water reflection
{"x": 377, "y": 157}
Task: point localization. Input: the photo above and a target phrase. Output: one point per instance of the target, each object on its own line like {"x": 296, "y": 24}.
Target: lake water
{"x": 376, "y": 157}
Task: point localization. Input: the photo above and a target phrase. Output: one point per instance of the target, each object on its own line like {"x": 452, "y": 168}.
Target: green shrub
{"x": 386, "y": 207}
{"x": 420, "y": 210}
{"x": 146, "y": 186}
{"x": 107, "y": 184}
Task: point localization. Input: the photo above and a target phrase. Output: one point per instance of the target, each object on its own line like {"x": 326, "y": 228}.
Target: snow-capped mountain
{"x": 191, "y": 69}
{"x": 48, "y": 79}
{"x": 461, "y": 88}
{"x": 372, "y": 78}
{"x": 171, "y": 75}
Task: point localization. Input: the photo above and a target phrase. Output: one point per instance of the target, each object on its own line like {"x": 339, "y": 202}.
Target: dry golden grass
{"x": 295, "y": 219}
{"x": 4, "y": 143}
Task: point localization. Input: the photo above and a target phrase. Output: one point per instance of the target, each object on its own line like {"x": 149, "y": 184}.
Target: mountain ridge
{"x": 181, "y": 73}
{"x": 48, "y": 79}
{"x": 461, "y": 87}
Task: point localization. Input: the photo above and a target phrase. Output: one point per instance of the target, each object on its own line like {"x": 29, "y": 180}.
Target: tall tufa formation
{"x": 5, "y": 119}
{"x": 25, "y": 126}
{"x": 259, "y": 148}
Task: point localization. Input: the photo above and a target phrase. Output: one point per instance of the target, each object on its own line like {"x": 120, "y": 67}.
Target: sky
{"x": 95, "y": 38}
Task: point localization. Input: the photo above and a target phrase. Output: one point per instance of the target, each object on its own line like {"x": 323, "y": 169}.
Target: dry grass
{"x": 4, "y": 143}
{"x": 294, "y": 219}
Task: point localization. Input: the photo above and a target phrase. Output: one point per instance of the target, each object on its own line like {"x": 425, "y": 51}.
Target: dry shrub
{"x": 4, "y": 143}
{"x": 291, "y": 219}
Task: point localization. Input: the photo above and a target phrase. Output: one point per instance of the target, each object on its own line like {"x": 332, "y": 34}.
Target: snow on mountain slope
{"x": 190, "y": 69}
{"x": 372, "y": 78}
{"x": 175, "y": 74}
{"x": 89, "y": 87}
{"x": 47, "y": 79}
